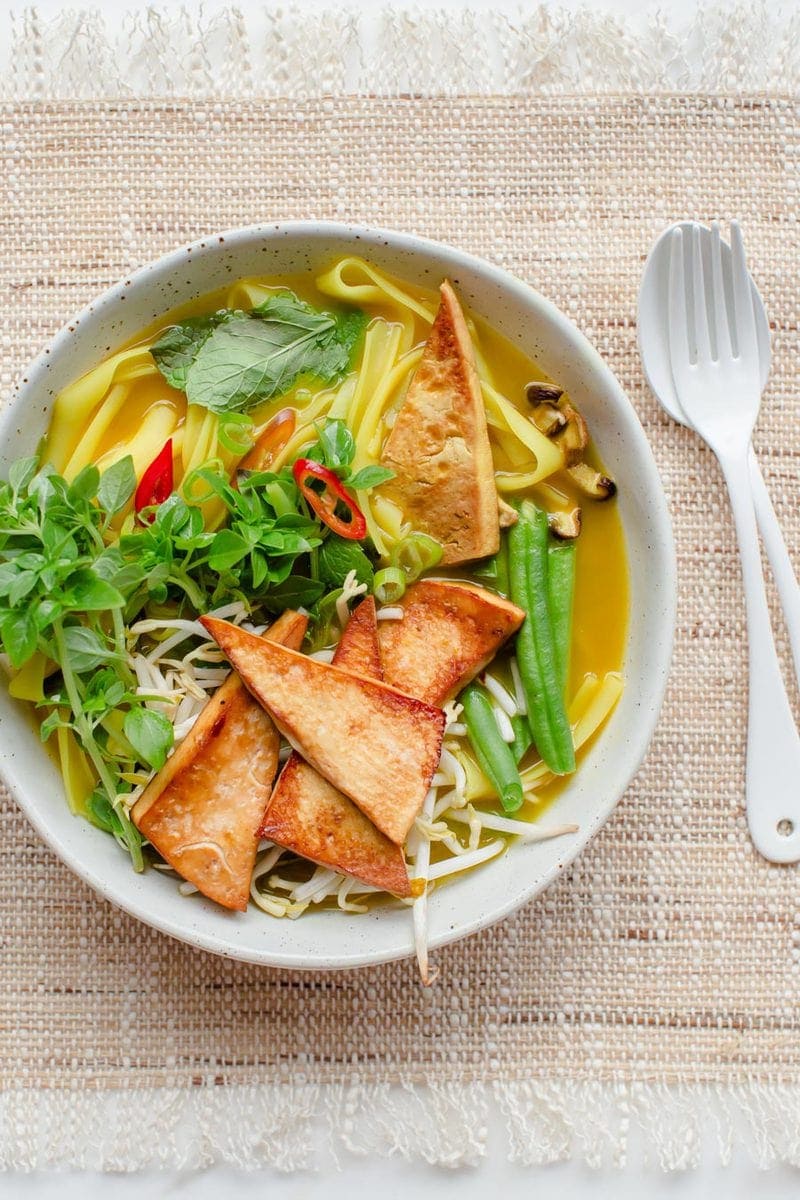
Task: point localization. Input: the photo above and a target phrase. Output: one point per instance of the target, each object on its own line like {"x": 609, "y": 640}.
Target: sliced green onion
{"x": 235, "y": 432}
{"x": 415, "y": 554}
{"x": 196, "y": 477}
{"x": 389, "y": 585}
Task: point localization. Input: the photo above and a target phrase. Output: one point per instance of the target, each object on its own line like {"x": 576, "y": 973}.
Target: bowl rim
{"x": 364, "y": 236}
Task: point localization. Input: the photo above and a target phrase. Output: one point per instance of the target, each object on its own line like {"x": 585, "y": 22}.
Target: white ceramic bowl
{"x": 332, "y": 939}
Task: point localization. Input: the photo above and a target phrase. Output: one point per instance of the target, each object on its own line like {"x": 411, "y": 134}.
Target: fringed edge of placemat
{"x": 305, "y": 1127}
{"x": 395, "y": 50}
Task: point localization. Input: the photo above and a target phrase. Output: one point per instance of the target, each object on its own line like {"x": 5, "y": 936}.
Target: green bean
{"x": 495, "y": 569}
{"x": 536, "y": 653}
{"x": 523, "y": 738}
{"x": 495, "y": 757}
{"x": 501, "y": 566}
{"x": 560, "y": 591}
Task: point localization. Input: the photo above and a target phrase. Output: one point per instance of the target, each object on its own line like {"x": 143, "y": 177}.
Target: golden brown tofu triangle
{"x": 448, "y": 634}
{"x": 439, "y": 445}
{"x": 201, "y": 812}
{"x": 308, "y": 815}
{"x": 374, "y": 743}
{"x": 358, "y": 649}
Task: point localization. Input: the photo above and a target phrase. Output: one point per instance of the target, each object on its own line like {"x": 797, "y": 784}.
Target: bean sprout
{"x": 503, "y": 698}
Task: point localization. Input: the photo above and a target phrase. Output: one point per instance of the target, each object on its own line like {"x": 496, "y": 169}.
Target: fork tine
{"x": 721, "y": 320}
{"x": 678, "y": 325}
{"x": 701, "y": 333}
{"x": 743, "y": 297}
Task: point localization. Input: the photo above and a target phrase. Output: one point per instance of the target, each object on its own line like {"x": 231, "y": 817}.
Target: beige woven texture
{"x": 670, "y": 951}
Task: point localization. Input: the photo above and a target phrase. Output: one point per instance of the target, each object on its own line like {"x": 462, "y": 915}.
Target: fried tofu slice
{"x": 202, "y": 810}
{"x": 376, "y": 744}
{"x": 439, "y": 445}
{"x": 449, "y": 632}
{"x": 310, "y": 816}
{"x": 358, "y": 649}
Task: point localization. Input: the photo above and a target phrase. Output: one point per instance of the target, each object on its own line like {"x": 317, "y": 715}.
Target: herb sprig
{"x": 231, "y": 360}
{"x": 70, "y": 585}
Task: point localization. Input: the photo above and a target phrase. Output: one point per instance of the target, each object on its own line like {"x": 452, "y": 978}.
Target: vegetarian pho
{"x": 317, "y": 592}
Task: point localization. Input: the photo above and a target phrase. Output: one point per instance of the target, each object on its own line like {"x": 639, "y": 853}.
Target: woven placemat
{"x": 657, "y": 981}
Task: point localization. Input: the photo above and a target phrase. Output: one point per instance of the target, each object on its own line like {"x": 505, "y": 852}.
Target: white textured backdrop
{"x": 673, "y": 48}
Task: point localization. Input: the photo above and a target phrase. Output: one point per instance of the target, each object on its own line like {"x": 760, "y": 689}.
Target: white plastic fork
{"x": 714, "y": 363}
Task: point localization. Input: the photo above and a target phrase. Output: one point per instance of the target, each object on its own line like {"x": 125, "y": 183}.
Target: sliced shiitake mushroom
{"x": 539, "y": 392}
{"x": 591, "y": 482}
{"x": 565, "y": 525}
{"x": 574, "y": 437}
{"x": 562, "y": 423}
{"x": 556, "y": 418}
{"x": 508, "y": 515}
{"x": 549, "y": 419}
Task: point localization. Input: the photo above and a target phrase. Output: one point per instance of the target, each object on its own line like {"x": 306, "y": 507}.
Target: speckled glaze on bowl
{"x": 330, "y": 939}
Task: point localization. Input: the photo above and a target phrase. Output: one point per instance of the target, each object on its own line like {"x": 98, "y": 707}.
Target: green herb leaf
{"x": 85, "y": 648}
{"x": 249, "y": 358}
{"x": 150, "y": 734}
{"x": 338, "y": 557}
{"x": 100, "y": 812}
{"x": 85, "y": 484}
{"x": 20, "y": 636}
{"x": 295, "y": 592}
{"x": 53, "y": 721}
{"x": 86, "y": 592}
{"x": 23, "y": 583}
{"x": 21, "y": 472}
{"x": 337, "y": 445}
{"x": 178, "y": 346}
{"x": 369, "y": 477}
{"x": 227, "y": 549}
{"x": 117, "y": 485}
{"x": 45, "y": 612}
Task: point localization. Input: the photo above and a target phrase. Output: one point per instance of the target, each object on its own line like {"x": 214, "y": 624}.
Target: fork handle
{"x": 772, "y": 777}
{"x": 782, "y": 570}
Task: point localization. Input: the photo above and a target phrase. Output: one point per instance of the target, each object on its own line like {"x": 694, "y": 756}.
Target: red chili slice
{"x": 272, "y": 440}
{"x": 157, "y": 482}
{"x": 324, "y": 503}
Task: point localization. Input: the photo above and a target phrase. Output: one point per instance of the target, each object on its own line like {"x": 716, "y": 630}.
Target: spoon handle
{"x": 772, "y": 781}
{"x": 778, "y": 555}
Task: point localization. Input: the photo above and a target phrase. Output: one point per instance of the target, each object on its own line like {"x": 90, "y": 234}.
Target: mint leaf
{"x": 150, "y": 734}
{"x": 117, "y": 485}
{"x": 369, "y": 477}
{"x": 338, "y": 557}
{"x": 177, "y": 348}
{"x": 250, "y": 358}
